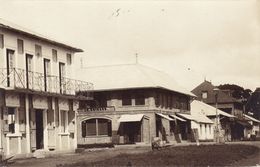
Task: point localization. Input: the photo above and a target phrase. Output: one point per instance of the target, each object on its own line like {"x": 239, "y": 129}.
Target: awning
{"x": 198, "y": 118}
{"x": 186, "y": 116}
{"x": 251, "y": 118}
{"x": 165, "y": 116}
{"x": 131, "y": 118}
{"x": 176, "y": 117}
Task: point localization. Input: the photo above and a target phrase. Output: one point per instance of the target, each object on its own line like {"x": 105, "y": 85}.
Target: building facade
{"x": 233, "y": 128}
{"x": 38, "y": 103}
{"x": 134, "y": 104}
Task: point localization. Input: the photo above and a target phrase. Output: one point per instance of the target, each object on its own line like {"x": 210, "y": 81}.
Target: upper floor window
{"x": 54, "y": 55}
{"x": 126, "y": 99}
{"x": 139, "y": 99}
{"x": 69, "y": 59}
{"x": 38, "y": 50}
{"x": 20, "y": 46}
{"x": 1, "y": 41}
{"x": 204, "y": 94}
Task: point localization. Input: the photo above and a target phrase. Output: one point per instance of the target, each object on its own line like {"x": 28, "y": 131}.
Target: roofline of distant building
{"x": 39, "y": 37}
{"x": 131, "y": 88}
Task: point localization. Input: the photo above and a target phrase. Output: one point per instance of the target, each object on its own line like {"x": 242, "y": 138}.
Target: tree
{"x": 237, "y": 92}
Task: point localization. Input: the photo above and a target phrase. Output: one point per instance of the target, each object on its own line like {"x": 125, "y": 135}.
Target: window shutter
{"x": 1, "y": 41}
{"x": 83, "y": 128}
{"x": 5, "y": 118}
{"x": 20, "y": 46}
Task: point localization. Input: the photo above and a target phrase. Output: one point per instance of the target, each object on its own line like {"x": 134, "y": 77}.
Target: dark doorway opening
{"x": 132, "y": 132}
{"x": 39, "y": 129}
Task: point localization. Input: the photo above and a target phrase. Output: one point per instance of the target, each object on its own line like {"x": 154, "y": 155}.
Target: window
{"x": 209, "y": 129}
{"x": 10, "y": 63}
{"x": 69, "y": 60}
{"x": 11, "y": 120}
{"x": 206, "y": 129}
{"x": 64, "y": 121}
{"x": 126, "y": 99}
{"x": 200, "y": 129}
{"x": 204, "y": 94}
{"x": 54, "y": 55}
{"x": 20, "y": 46}
{"x": 47, "y": 73}
{"x": 38, "y": 50}
{"x": 96, "y": 127}
{"x": 1, "y": 41}
{"x": 140, "y": 99}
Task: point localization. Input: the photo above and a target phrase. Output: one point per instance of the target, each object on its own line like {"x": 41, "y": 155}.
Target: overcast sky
{"x": 190, "y": 40}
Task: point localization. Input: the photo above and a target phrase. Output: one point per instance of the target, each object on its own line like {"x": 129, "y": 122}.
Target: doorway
{"x": 132, "y": 132}
{"x": 39, "y": 129}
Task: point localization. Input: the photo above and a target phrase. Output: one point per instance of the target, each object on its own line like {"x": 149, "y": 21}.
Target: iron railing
{"x": 21, "y": 79}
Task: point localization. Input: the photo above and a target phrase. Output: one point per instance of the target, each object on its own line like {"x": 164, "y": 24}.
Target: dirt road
{"x": 112, "y": 152}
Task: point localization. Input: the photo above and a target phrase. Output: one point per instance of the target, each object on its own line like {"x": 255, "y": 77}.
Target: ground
{"x": 228, "y": 154}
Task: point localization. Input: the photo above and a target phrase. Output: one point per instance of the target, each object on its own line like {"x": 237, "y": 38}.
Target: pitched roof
{"x": 18, "y": 29}
{"x": 200, "y": 118}
{"x": 208, "y": 87}
{"x": 208, "y": 110}
{"x": 130, "y": 76}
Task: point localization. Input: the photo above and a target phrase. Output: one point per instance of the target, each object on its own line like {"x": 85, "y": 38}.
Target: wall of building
{"x": 10, "y": 42}
{"x": 205, "y": 131}
{"x": 23, "y": 140}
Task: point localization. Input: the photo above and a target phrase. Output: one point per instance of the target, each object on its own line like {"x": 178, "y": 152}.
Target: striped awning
{"x": 165, "y": 116}
{"x": 131, "y": 118}
{"x": 178, "y": 118}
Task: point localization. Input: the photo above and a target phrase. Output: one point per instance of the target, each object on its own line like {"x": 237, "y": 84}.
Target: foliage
{"x": 238, "y": 92}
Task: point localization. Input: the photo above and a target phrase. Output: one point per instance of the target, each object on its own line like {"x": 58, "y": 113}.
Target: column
{"x": 27, "y": 126}
{"x": 45, "y": 130}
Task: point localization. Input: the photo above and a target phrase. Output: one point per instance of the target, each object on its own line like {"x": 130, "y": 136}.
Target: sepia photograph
{"x": 129, "y": 83}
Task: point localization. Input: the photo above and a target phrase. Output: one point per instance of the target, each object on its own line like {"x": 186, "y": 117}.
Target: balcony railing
{"x": 21, "y": 79}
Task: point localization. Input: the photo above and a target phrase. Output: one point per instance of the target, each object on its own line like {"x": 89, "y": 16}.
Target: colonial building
{"x": 201, "y": 108}
{"x": 223, "y": 100}
{"x": 134, "y": 104}
{"x": 37, "y": 94}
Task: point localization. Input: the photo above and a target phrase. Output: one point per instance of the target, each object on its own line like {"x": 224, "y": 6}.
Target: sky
{"x": 192, "y": 40}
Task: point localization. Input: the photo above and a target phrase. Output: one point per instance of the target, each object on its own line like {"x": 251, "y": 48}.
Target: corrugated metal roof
{"x": 16, "y": 28}
{"x": 129, "y": 76}
{"x": 165, "y": 116}
{"x": 131, "y": 118}
{"x": 197, "y": 118}
{"x": 251, "y": 118}
{"x": 208, "y": 110}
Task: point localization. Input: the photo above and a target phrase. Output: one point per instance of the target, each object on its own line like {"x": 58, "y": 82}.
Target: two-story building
{"x": 134, "y": 104}
{"x": 37, "y": 95}
{"x": 223, "y": 100}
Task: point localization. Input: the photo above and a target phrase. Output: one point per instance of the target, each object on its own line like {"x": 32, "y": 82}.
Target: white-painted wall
{"x": 205, "y": 131}
{"x": 10, "y": 42}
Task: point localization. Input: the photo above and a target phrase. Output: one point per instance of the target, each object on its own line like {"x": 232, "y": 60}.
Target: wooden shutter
{"x": 1, "y": 41}
{"x": 5, "y": 117}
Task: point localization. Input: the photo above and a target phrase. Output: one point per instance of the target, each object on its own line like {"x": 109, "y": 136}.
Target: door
{"x": 39, "y": 129}
{"x": 62, "y": 75}
{"x": 9, "y": 66}
{"x": 47, "y": 73}
{"x": 29, "y": 71}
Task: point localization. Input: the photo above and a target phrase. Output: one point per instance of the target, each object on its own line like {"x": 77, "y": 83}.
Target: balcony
{"x": 16, "y": 78}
